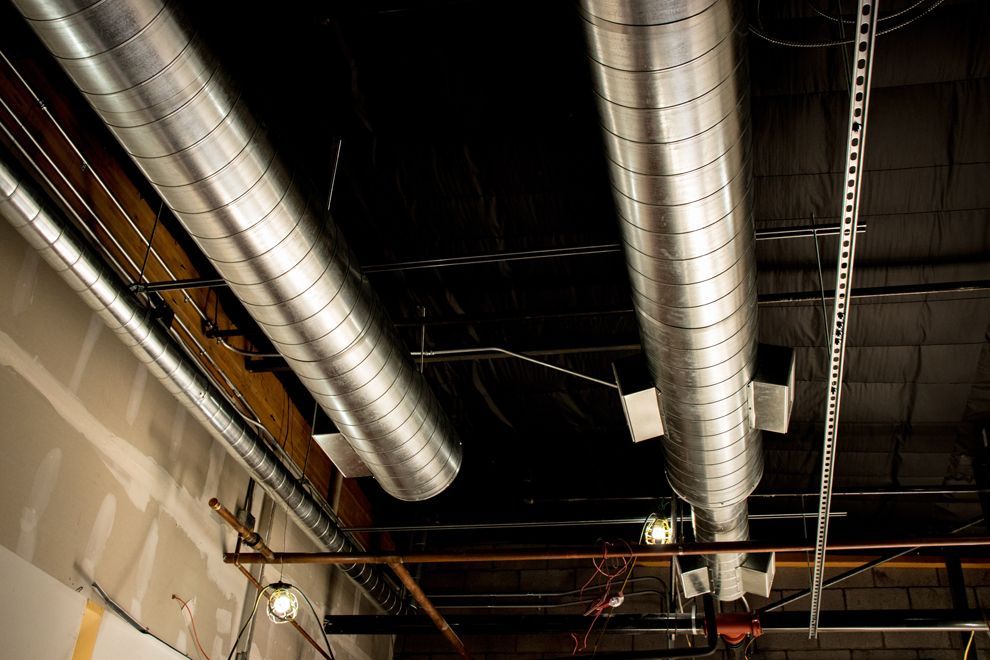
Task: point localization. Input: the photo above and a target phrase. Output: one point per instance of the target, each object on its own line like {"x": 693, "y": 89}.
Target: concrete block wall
{"x": 882, "y": 588}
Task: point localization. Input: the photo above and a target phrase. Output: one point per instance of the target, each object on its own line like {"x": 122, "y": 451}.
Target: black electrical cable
{"x": 829, "y": 44}
{"x": 317, "y": 618}
{"x": 839, "y": 19}
{"x": 254, "y": 610}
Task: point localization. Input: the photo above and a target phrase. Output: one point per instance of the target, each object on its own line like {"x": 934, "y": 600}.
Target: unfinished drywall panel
{"x": 42, "y": 621}
{"x": 106, "y": 477}
{"x": 118, "y": 639}
{"x": 102, "y": 479}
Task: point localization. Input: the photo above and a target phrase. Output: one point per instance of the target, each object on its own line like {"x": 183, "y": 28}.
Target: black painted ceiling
{"x": 469, "y": 127}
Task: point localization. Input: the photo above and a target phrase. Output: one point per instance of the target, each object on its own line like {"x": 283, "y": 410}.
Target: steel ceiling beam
{"x": 861, "y": 621}
{"x": 565, "y": 554}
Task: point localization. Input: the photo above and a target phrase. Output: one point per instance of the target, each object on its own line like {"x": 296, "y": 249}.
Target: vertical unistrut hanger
{"x": 859, "y": 96}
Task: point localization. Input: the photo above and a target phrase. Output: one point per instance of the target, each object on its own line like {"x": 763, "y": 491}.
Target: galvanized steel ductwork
{"x": 110, "y": 299}
{"x": 671, "y": 84}
{"x": 182, "y": 120}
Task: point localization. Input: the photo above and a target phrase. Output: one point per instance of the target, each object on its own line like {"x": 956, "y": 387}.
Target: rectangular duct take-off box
{"x": 640, "y": 399}
{"x": 757, "y": 573}
{"x": 338, "y": 450}
{"x": 771, "y": 392}
{"x": 692, "y": 571}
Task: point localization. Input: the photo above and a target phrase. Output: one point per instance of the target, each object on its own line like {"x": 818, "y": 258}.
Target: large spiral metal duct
{"x": 671, "y": 85}
{"x": 85, "y": 272}
{"x": 183, "y": 121}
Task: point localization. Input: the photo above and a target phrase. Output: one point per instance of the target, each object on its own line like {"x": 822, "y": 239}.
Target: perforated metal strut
{"x": 852, "y": 176}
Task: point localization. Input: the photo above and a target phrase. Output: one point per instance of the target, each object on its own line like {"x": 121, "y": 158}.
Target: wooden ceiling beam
{"x": 62, "y": 141}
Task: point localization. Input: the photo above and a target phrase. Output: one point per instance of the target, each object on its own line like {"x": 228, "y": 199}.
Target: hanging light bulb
{"x": 282, "y": 603}
{"x": 657, "y": 530}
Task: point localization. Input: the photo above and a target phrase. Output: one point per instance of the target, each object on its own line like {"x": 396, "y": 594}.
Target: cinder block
{"x": 424, "y": 644}
{"x": 873, "y": 654}
{"x": 877, "y": 599}
{"x": 792, "y": 578}
{"x": 851, "y": 640}
{"x": 490, "y": 643}
{"x": 884, "y": 576}
{"x": 818, "y": 655}
{"x": 832, "y": 599}
{"x": 943, "y": 654}
{"x": 864, "y": 579}
{"x": 550, "y": 580}
{"x": 787, "y": 642}
{"x": 920, "y": 640}
{"x": 443, "y": 581}
{"x": 979, "y": 596}
{"x": 649, "y": 642}
{"x": 976, "y": 577}
{"x": 492, "y": 582}
{"x": 769, "y": 655}
{"x": 756, "y": 602}
{"x": 930, "y": 598}
{"x": 561, "y": 644}
{"x": 613, "y": 642}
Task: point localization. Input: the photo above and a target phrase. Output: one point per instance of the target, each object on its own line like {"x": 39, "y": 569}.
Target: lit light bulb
{"x": 657, "y": 531}
{"x": 282, "y": 605}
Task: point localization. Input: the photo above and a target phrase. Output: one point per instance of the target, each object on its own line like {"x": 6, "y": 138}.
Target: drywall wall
{"x": 104, "y": 477}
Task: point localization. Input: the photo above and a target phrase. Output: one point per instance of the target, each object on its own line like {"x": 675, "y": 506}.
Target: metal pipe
{"x": 893, "y": 621}
{"x": 249, "y": 536}
{"x": 149, "y": 76}
{"x": 856, "y": 571}
{"x": 671, "y": 82}
{"x": 880, "y": 292}
{"x": 769, "y": 234}
{"x": 635, "y": 552}
{"x": 115, "y": 305}
{"x": 880, "y": 492}
{"x": 841, "y": 621}
{"x": 424, "y": 602}
{"x": 910, "y": 290}
{"x": 701, "y": 651}
{"x": 590, "y": 590}
{"x": 519, "y": 356}
{"x": 564, "y": 523}
{"x": 174, "y": 285}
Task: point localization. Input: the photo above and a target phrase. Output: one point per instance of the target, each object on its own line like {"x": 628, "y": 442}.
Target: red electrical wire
{"x": 622, "y": 565}
{"x": 185, "y": 606}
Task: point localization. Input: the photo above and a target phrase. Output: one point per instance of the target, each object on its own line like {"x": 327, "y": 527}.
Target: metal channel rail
{"x": 859, "y": 97}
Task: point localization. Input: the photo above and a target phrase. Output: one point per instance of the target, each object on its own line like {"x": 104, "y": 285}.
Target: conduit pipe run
{"x": 670, "y": 79}
{"x": 116, "y": 306}
{"x": 186, "y": 126}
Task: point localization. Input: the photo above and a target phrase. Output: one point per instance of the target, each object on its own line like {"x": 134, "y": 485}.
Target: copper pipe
{"x": 424, "y": 602}
{"x": 251, "y": 537}
{"x": 636, "y": 551}
{"x": 295, "y": 624}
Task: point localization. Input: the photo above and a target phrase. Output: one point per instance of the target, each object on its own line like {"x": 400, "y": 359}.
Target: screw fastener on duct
{"x": 670, "y": 80}
{"x": 182, "y": 120}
